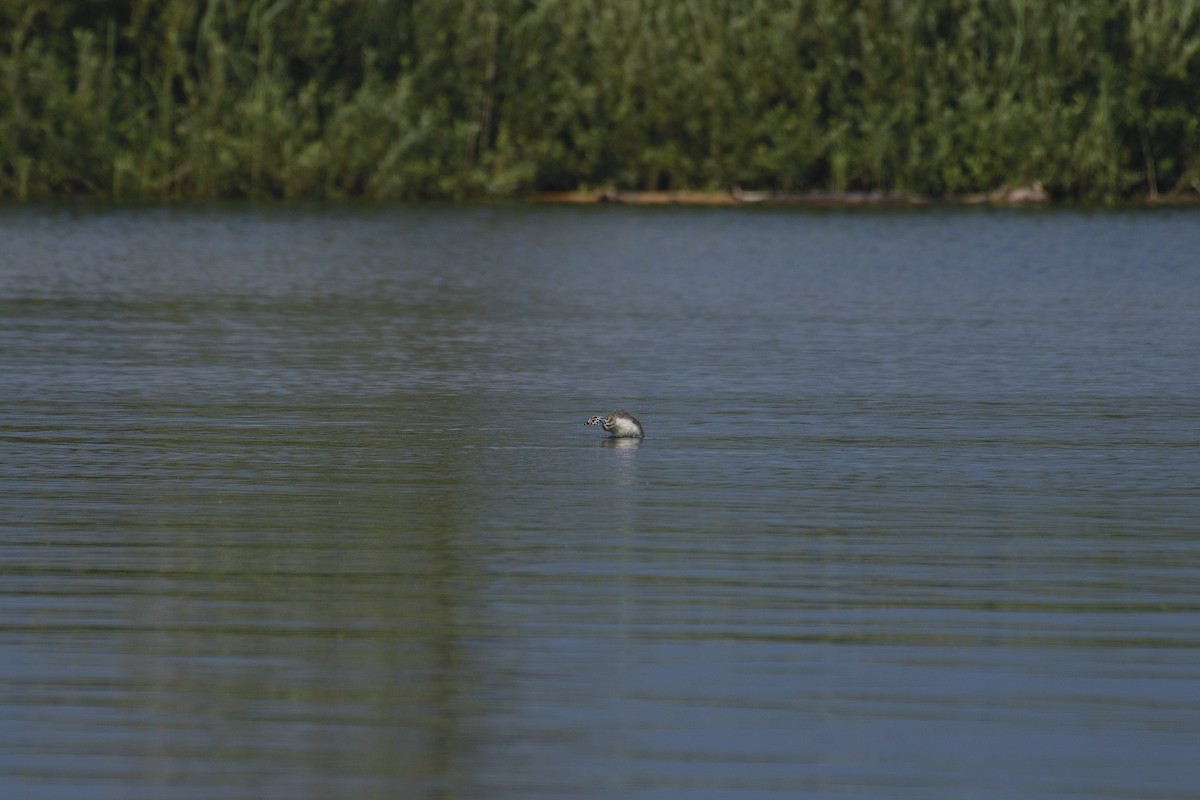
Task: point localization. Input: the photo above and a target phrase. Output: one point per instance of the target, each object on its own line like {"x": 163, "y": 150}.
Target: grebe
{"x": 619, "y": 424}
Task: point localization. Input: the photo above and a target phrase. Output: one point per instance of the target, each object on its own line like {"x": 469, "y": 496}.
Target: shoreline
{"x": 1032, "y": 195}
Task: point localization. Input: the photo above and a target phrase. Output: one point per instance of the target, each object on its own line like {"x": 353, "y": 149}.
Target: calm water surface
{"x": 299, "y": 503}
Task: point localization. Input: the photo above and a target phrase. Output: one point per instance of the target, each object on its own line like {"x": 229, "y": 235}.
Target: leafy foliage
{"x": 451, "y": 98}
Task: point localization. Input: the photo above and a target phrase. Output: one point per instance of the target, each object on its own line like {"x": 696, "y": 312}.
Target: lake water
{"x": 299, "y": 503}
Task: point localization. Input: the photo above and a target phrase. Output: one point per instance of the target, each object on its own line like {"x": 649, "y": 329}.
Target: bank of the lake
{"x": 172, "y": 99}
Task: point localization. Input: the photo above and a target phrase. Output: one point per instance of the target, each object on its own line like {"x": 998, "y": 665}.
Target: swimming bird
{"x": 619, "y": 424}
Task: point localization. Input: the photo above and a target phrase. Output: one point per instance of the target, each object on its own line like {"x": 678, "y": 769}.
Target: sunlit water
{"x": 300, "y": 503}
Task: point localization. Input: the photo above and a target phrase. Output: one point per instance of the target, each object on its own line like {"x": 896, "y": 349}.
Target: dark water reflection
{"x": 300, "y": 503}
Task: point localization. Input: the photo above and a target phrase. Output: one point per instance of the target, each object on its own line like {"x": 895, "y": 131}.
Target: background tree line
{"x": 1098, "y": 99}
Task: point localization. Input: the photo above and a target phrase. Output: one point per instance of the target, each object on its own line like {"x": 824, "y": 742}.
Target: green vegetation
{"x": 1098, "y": 99}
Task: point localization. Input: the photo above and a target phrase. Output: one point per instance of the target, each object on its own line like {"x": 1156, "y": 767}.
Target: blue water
{"x": 299, "y": 502}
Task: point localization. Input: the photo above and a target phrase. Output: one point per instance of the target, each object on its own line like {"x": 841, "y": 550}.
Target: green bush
{"x": 1097, "y": 99}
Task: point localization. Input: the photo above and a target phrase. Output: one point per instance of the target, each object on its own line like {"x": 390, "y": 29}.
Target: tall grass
{"x": 1098, "y": 99}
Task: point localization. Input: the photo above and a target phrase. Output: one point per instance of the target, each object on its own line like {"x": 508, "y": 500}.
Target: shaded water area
{"x": 299, "y": 503}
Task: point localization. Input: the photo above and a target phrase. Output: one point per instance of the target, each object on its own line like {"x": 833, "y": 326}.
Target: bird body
{"x": 619, "y": 424}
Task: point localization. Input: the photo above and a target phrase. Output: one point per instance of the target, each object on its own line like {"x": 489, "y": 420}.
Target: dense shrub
{"x": 1097, "y": 99}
